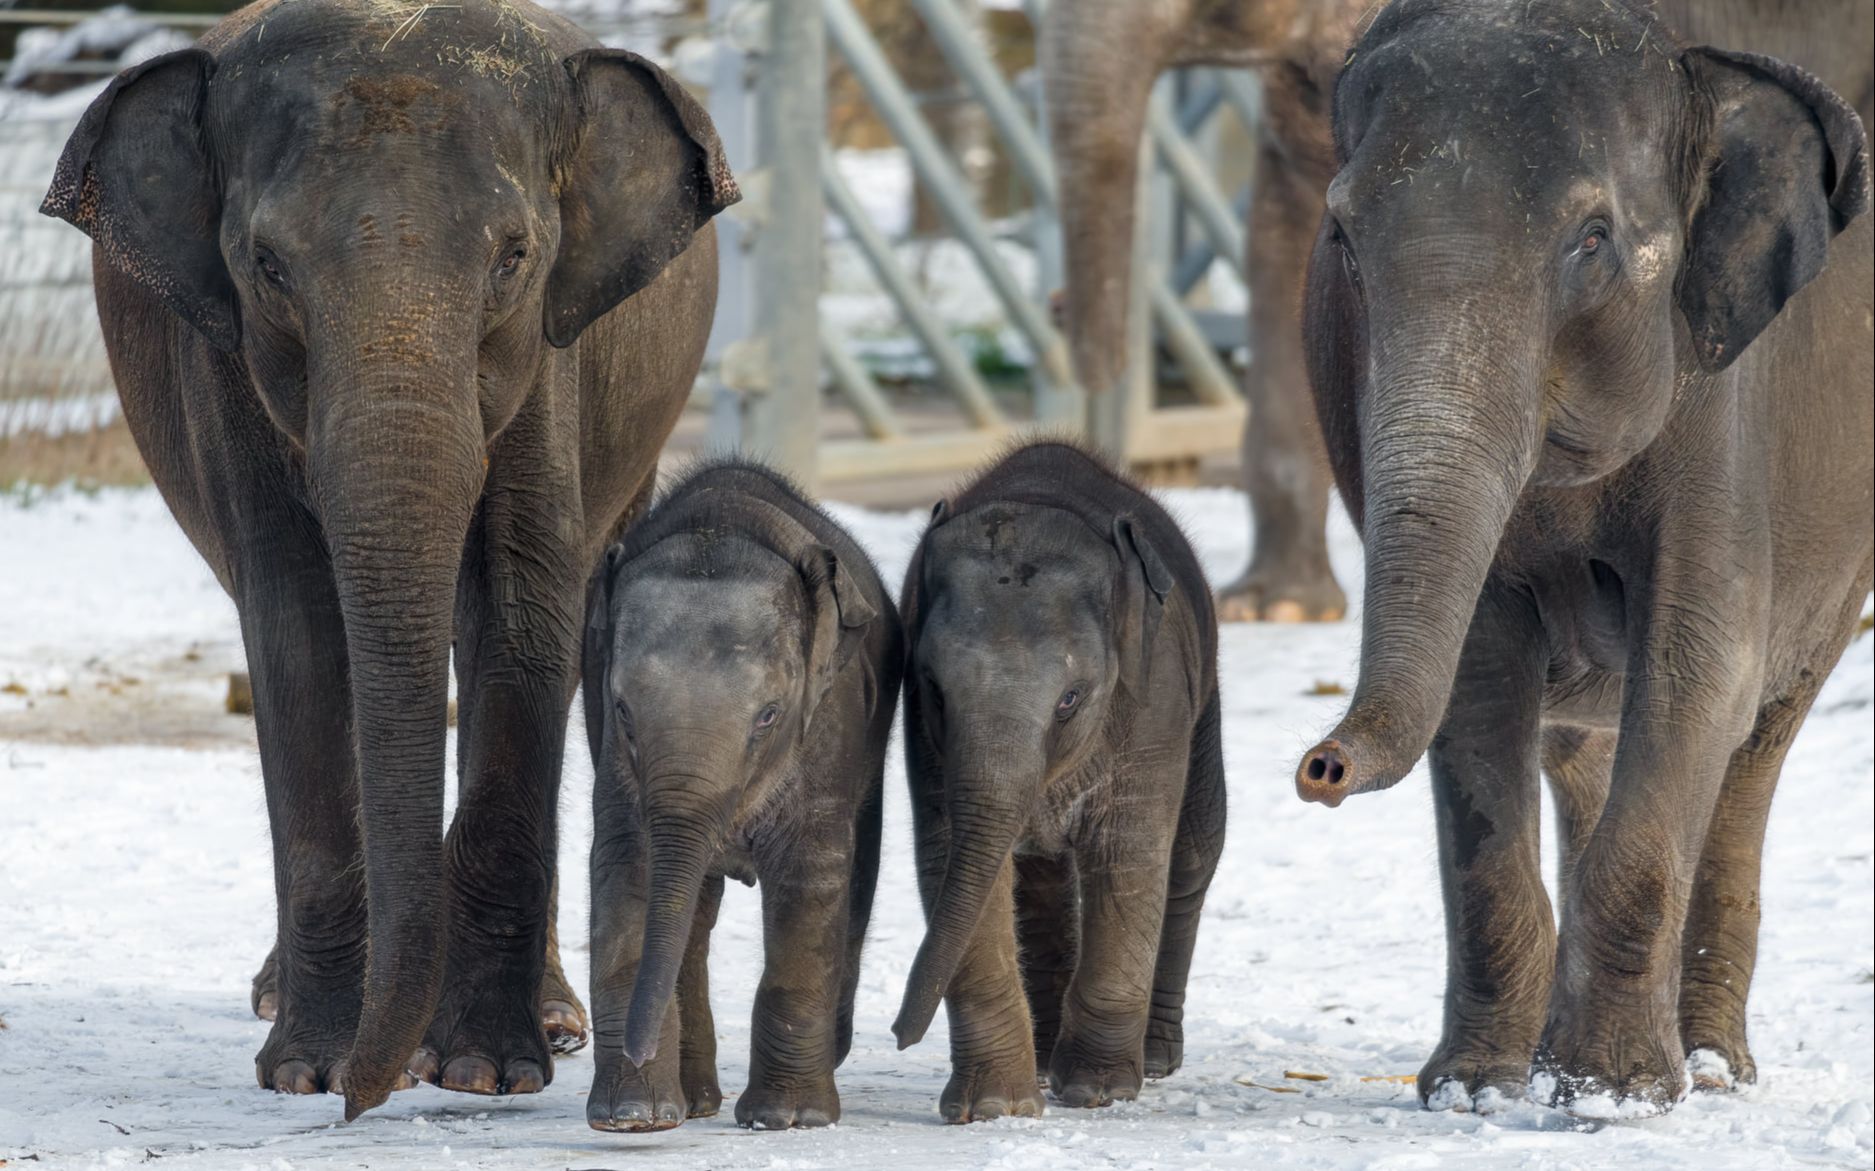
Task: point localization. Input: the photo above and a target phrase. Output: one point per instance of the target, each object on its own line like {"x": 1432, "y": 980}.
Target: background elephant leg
{"x": 697, "y": 1050}
{"x": 561, "y": 1013}
{"x": 1047, "y": 942}
{"x": 865, "y": 881}
{"x": 793, "y": 1037}
{"x": 1579, "y": 763}
{"x": 1285, "y": 466}
{"x": 295, "y": 642}
{"x": 263, "y": 995}
{"x": 1719, "y": 949}
{"x": 1500, "y": 937}
{"x": 624, "y": 1096}
{"x": 1100, "y": 1055}
{"x": 1195, "y": 853}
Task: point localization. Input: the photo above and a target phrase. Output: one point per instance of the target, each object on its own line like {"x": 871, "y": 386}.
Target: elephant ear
{"x": 646, "y": 172}
{"x": 1139, "y": 602}
{"x": 136, "y": 177}
{"x": 1788, "y": 171}
{"x": 840, "y": 616}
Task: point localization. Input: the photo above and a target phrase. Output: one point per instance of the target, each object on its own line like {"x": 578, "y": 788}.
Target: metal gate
{"x": 771, "y": 346}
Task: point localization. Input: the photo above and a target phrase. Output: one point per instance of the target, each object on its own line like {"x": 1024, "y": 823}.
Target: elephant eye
{"x": 511, "y": 263}
{"x": 269, "y": 266}
{"x": 1070, "y": 699}
{"x": 765, "y": 719}
{"x": 1594, "y": 236}
{"x": 625, "y": 720}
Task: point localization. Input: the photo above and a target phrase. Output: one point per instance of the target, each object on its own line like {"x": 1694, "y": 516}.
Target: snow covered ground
{"x": 135, "y": 903}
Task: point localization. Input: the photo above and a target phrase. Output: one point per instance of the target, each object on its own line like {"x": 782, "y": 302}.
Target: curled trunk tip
{"x": 922, "y": 995}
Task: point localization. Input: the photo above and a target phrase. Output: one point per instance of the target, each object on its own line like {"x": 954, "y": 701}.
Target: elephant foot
{"x": 629, "y": 1099}
{"x": 1466, "y": 1080}
{"x": 1280, "y": 596}
{"x": 765, "y": 1106}
{"x": 1082, "y": 1076}
{"x": 561, "y": 1013}
{"x": 264, "y": 996}
{"x": 492, "y": 1046}
{"x": 1609, "y": 1072}
{"x": 1718, "y": 1068}
{"x": 565, "y": 1025}
{"x": 701, "y": 1089}
{"x": 1165, "y": 1047}
{"x": 308, "y": 1060}
{"x": 980, "y": 1093}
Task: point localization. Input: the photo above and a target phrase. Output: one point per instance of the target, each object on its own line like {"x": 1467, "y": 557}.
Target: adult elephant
{"x": 1100, "y": 58}
{"x": 401, "y": 305}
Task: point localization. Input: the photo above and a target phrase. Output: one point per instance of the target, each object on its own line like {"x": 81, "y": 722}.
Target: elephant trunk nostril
{"x": 1324, "y": 774}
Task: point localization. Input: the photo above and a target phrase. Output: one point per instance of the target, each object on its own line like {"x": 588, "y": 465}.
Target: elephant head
{"x": 1029, "y": 625}
{"x": 391, "y": 224}
{"x": 727, "y": 628}
{"x": 1548, "y": 228}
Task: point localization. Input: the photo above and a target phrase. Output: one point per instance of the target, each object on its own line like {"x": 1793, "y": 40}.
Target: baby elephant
{"x": 1067, "y": 782}
{"x": 739, "y": 707}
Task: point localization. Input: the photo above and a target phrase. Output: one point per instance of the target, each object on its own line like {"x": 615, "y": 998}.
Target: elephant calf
{"x": 745, "y": 665}
{"x": 1067, "y": 781}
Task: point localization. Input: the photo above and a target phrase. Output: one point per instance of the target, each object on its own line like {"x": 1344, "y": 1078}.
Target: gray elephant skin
{"x": 401, "y": 306}
{"x": 1100, "y": 58}
{"x": 1067, "y": 782}
{"x": 1588, "y": 330}
{"x": 741, "y": 681}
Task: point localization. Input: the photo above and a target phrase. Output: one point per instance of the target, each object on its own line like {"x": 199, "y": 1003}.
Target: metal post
{"x": 782, "y": 419}
{"x": 732, "y": 109}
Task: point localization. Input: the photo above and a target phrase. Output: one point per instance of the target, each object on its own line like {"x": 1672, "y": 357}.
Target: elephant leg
{"x": 1285, "y": 465}
{"x": 561, "y": 1013}
{"x": 518, "y": 628}
{"x": 1122, "y": 867}
{"x": 1046, "y": 938}
{"x": 992, "y": 1041}
{"x": 1195, "y": 852}
{"x": 865, "y": 881}
{"x": 794, "y": 1043}
{"x": 1720, "y": 947}
{"x": 1500, "y": 938}
{"x": 263, "y": 994}
{"x": 696, "y": 1063}
{"x": 1612, "y": 1040}
{"x": 295, "y": 642}
{"x": 625, "y": 1097}
{"x": 1578, "y": 763}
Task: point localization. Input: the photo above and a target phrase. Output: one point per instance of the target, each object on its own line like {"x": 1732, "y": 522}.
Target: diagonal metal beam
{"x": 955, "y": 370}
{"x": 934, "y": 166}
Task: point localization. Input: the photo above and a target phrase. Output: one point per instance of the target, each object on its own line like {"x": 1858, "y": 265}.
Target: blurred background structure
{"x": 885, "y": 319}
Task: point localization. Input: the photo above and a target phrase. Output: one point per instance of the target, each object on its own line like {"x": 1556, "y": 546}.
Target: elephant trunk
{"x": 683, "y": 840}
{"x": 395, "y": 459}
{"x": 1451, "y": 433}
{"x": 988, "y": 798}
{"x": 1099, "y": 61}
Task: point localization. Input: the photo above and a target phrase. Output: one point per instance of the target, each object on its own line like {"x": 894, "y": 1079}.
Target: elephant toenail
{"x": 471, "y": 1075}
{"x": 523, "y": 1077}
{"x": 295, "y": 1077}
